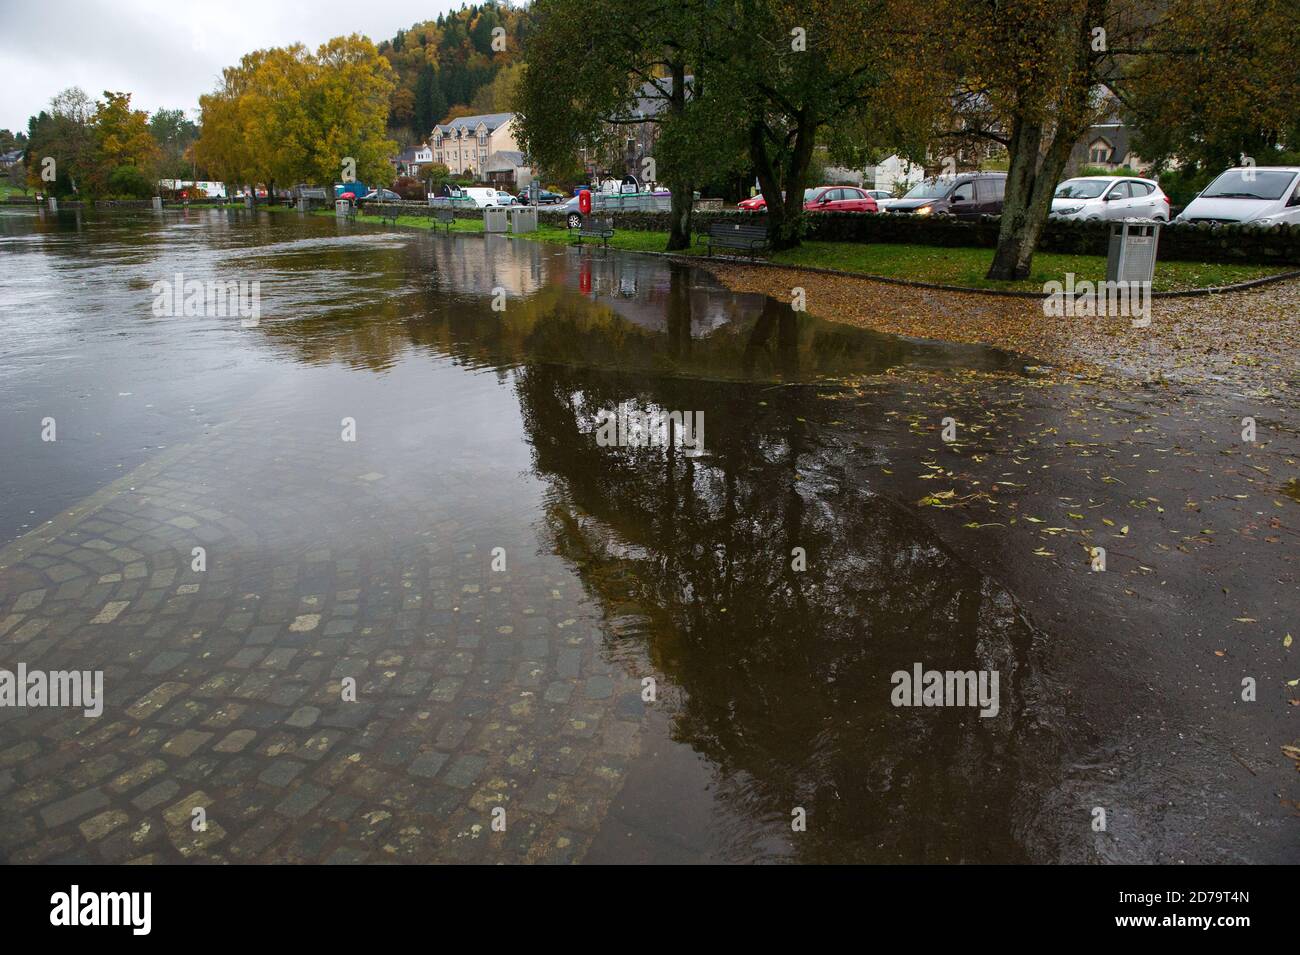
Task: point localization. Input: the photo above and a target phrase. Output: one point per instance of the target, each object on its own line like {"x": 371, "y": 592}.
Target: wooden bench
{"x": 595, "y": 229}
{"x": 741, "y": 236}
{"x": 445, "y": 217}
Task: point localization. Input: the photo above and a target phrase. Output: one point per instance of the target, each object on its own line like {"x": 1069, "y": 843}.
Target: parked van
{"x": 482, "y": 196}
{"x": 1254, "y": 195}
{"x": 966, "y": 196}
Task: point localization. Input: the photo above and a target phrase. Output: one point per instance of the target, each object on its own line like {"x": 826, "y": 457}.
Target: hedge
{"x": 1181, "y": 241}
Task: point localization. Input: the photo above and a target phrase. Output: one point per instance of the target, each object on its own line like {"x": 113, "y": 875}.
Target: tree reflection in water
{"x": 783, "y": 677}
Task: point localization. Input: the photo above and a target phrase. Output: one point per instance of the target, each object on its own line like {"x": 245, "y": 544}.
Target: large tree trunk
{"x": 784, "y": 211}
{"x": 1035, "y": 171}
{"x": 683, "y": 190}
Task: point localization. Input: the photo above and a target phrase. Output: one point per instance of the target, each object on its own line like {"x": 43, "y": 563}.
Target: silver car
{"x": 1110, "y": 197}
{"x": 1249, "y": 195}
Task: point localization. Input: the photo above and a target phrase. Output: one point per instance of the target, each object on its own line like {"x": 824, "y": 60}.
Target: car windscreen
{"x": 1081, "y": 188}
{"x": 1249, "y": 184}
{"x": 808, "y": 194}
{"x": 929, "y": 189}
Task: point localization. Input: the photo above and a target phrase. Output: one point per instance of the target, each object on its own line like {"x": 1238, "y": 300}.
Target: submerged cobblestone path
{"x": 476, "y": 688}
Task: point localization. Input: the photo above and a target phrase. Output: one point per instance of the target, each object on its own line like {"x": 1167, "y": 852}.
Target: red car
{"x": 823, "y": 199}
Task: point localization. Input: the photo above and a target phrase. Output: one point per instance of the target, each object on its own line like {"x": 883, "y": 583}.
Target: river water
{"x": 429, "y": 601}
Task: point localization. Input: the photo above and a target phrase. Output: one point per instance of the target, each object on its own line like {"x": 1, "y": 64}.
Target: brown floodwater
{"x": 504, "y": 590}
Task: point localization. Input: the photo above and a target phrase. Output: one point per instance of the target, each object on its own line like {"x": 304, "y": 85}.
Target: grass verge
{"x": 964, "y": 266}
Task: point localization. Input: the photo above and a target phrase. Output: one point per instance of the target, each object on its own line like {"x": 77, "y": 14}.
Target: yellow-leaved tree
{"x": 286, "y": 115}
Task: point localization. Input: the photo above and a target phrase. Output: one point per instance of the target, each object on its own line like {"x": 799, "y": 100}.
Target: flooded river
{"x": 364, "y": 585}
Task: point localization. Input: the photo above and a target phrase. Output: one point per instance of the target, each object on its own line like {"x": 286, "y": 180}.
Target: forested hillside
{"x": 451, "y": 67}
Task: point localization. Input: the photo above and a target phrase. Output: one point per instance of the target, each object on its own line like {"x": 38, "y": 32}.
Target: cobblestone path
{"x": 475, "y": 688}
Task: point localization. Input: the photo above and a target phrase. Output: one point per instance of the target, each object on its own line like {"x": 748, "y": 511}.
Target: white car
{"x": 1254, "y": 195}
{"x": 1110, "y": 197}
{"x": 880, "y": 195}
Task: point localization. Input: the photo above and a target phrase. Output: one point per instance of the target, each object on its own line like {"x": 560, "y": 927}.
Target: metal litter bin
{"x": 523, "y": 219}
{"x": 494, "y": 219}
{"x": 1132, "y": 253}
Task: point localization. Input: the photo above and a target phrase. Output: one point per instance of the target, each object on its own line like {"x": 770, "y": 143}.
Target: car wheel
{"x": 574, "y": 220}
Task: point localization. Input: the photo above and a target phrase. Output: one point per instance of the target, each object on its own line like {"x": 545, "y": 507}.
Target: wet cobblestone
{"x": 224, "y": 688}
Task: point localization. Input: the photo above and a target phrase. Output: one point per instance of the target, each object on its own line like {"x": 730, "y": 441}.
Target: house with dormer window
{"x": 465, "y": 144}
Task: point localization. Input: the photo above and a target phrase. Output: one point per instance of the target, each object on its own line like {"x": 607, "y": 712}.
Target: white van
{"x": 1254, "y": 195}
{"x": 483, "y": 197}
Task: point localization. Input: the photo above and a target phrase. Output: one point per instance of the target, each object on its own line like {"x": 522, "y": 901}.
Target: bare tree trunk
{"x": 683, "y": 189}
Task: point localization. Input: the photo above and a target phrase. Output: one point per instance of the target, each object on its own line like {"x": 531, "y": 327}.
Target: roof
{"x": 652, "y": 97}
{"x": 490, "y": 120}
{"x": 410, "y": 155}
{"x": 504, "y": 159}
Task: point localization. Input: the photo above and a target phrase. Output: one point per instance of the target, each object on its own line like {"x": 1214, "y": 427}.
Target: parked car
{"x": 838, "y": 199}
{"x": 381, "y": 195}
{"x": 505, "y": 199}
{"x": 966, "y": 196}
{"x": 1110, "y": 197}
{"x": 606, "y": 202}
{"x": 822, "y": 199}
{"x": 880, "y": 195}
{"x": 753, "y": 204}
{"x": 1254, "y": 195}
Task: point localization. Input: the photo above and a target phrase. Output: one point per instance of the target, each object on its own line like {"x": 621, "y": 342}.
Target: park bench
{"x": 388, "y": 216}
{"x": 595, "y": 229}
{"x": 446, "y": 218}
{"x": 743, "y": 237}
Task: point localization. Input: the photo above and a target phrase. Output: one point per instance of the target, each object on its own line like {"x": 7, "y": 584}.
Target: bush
{"x": 409, "y": 188}
{"x": 129, "y": 181}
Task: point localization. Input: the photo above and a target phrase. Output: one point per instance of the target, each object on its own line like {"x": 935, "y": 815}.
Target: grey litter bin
{"x": 1131, "y": 256}
{"x": 494, "y": 219}
{"x": 157, "y": 203}
{"x": 523, "y": 219}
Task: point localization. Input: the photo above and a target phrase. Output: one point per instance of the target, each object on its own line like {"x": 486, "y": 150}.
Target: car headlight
{"x": 1068, "y": 210}
{"x": 924, "y": 210}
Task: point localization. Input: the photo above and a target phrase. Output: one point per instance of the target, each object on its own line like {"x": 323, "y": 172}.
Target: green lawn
{"x": 922, "y": 263}
{"x": 7, "y": 189}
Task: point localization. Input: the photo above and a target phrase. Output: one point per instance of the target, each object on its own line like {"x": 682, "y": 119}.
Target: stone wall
{"x": 1279, "y": 245}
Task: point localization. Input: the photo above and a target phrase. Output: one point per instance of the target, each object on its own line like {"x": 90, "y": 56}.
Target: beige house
{"x": 465, "y": 144}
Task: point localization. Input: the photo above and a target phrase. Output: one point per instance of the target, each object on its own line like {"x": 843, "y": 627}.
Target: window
{"x": 1139, "y": 189}
{"x": 1099, "y": 151}
{"x": 1119, "y": 192}
{"x": 964, "y": 193}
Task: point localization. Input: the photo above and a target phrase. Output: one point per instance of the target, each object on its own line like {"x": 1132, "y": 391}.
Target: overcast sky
{"x": 165, "y": 53}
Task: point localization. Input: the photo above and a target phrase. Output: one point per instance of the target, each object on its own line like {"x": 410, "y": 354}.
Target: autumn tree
{"x": 122, "y": 140}
{"x": 789, "y": 74}
{"x": 1219, "y": 83}
{"x": 595, "y": 68}
{"x": 287, "y": 115}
